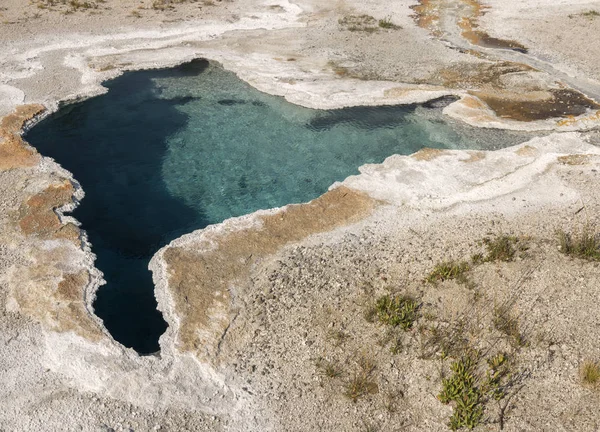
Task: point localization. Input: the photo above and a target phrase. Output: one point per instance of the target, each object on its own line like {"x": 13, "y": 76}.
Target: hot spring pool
{"x": 166, "y": 152}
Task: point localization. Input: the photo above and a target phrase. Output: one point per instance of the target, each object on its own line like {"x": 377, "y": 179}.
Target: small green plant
{"x": 501, "y": 248}
{"x": 445, "y": 341}
{"x": 497, "y": 370}
{"x": 469, "y": 391}
{"x": 461, "y": 389}
{"x": 591, "y": 14}
{"x": 448, "y": 270}
{"x": 328, "y": 369}
{"x": 585, "y": 244}
{"x": 396, "y": 311}
{"x": 590, "y": 373}
{"x": 337, "y": 336}
{"x": 477, "y": 258}
{"x": 387, "y": 23}
{"x": 361, "y": 382}
{"x": 396, "y": 347}
{"x": 508, "y": 324}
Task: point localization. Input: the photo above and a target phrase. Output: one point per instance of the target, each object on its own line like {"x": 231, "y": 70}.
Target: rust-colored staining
{"x": 428, "y": 154}
{"x": 468, "y": 25}
{"x": 427, "y": 16}
{"x": 14, "y": 152}
{"x": 534, "y": 106}
{"x": 481, "y": 38}
{"x": 37, "y": 216}
{"x": 571, "y": 120}
{"x": 200, "y": 283}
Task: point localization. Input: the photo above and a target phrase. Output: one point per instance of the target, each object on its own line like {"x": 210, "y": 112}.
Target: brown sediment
{"x": 37, "y": 216}
{"x": 427, "y": 154}
{"x": 201, "y": 283}
{"x": 14, "y": 152}
{"x": 70, "y": 287}
{"x": 465, "y": 75}
{"x": 537, "y": 105}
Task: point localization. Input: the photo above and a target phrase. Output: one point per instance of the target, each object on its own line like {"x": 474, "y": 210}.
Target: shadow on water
{"x": 128, "y": 213}
{"x": 166, "y": 152}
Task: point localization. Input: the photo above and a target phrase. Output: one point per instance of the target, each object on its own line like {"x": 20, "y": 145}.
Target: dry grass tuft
{"x": 585, "y": 244}
{"x": 590, "y": 373}
{"x": 362, "y": 382}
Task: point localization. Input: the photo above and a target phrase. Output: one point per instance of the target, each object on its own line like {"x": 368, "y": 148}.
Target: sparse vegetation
{"x": 167, "y": 4}
{"x": 337, "y": 336}
{"x": 497, "y": 370}
{"x": 590, "y": 373}
{"x": 461, "y": 389}
{"x": 591, "y": 14}
{"x": 508, "y": 324}
{"x": 69, "y": 6}
{"x": 448, "y": 270}
{"x": 449, "y": 340}
{"x": 387, "y": 23}
{"x": 585, "y": 244}
{"x": 400, "y": 310}
{"x": 500, "y": 248}
{"x": 361, "y": 382}
{"x": 363, "y": 23}
{"x": 328, "y": 369}
{"x": 469, "y": 391}
{"x": 478, "y": 347}
{"x": 391, "y": 399}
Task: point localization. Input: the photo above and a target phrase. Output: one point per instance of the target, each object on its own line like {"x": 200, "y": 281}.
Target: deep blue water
{"x": 165, "y": 152}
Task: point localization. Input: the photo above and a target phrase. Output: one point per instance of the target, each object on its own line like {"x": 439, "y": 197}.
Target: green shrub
{"x": 397, "y": 311}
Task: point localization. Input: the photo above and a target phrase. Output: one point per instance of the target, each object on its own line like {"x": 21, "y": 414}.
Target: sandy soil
{"x": 288, "y": 315}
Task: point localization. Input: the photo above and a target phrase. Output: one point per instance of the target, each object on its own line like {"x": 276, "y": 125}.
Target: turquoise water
{"x": 165, "y": 152}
